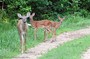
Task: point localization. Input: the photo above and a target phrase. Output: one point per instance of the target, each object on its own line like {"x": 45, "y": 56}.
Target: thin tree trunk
{"x": 2, "y": 4}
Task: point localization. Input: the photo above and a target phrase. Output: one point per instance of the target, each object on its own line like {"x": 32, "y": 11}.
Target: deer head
{"x": 61, "y": 19}
{"x": 31, "y": 16}
{"x": 24, "y": 17}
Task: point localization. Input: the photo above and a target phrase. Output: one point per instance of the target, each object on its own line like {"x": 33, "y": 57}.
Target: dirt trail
{"x": 86, "y": 55}
{"x": 44, "y": 47}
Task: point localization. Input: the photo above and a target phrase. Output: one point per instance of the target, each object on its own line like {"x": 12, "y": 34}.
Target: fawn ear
{"x": 64, "y": 17}
{"x": 33, "y": 14}
{"x": 19, "y": 15}
{"x": 28, "y": 14}
{"x": 59, "y": 17}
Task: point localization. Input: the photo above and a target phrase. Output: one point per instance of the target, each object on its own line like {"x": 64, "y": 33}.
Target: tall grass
{"x": 10, "y": 42}
{"x": 74, "y": 23}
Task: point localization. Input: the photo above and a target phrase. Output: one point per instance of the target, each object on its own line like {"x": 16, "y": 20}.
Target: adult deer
{"x": 55, "y": 26}
{"x": 22, "y": 27}
{"x": 46, "y": 24}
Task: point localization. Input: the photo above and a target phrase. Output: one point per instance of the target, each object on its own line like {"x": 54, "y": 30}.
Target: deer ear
{"x": 28, "y": 14}
{"x": 33, "y": 14}
{"x": 19, "y": 15}
{"x": 64, "y": 17}
{"x": 59, "y": 17}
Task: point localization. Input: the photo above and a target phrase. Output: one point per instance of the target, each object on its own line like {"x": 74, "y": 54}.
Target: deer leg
{"x": 48, "y": 29}
{"x": 25, "y": 42}
{"x": 35, "y": 35}
{"x": 52, "y": 32}
{"x": 54, "y": 35}
{"x": 22, "y": 43}
{"x": 44, "y": 35}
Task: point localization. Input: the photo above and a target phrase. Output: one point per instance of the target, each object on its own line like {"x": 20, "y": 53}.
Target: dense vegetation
{"x": 44, "y": 8}
{"x": 77, "y": 14}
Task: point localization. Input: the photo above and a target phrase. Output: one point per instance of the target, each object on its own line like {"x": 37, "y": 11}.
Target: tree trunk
{"x": 2, "y": 4}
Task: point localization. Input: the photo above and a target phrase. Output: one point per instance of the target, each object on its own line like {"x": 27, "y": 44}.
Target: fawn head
{"x": 61, "y": 19}
{"x": 31, "y": 16}
{"x": 24, "y": 17}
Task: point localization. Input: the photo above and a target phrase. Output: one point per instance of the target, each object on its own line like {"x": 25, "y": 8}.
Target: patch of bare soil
{"x": 86, "y": 54}
{"x": 44, "y": 47}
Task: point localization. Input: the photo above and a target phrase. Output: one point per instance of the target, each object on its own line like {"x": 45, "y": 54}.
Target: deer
{"x": 22, "y": 27}
{"x": 55, "y": 26}
{"x": 45, "y": 24}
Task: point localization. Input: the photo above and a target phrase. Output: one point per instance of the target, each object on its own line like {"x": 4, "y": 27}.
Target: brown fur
{"x": 22, "y": 30}
{"x": 40, "y": 24}
{"x": 55, "y": 26}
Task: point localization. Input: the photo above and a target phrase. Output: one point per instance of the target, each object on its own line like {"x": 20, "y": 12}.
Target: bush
{"x": 46, "y": 8}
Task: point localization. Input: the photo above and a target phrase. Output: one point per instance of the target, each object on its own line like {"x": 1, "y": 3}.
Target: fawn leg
{"x": 25, "y": 48}
{"x": 35, "y": 35}
{"x": 22, "y": 43}
{"x": 45, "y": 35}
{"x": 54, "y": 35}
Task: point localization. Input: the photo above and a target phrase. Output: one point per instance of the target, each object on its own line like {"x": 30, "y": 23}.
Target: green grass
{"x": 69, "y": 50}
{"x": 72, "y": 23}
{"x": 10, "y": 42}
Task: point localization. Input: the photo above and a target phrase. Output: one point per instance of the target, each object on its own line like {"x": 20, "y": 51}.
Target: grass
{"x": 69, "y": 50}
{"x": 10, "y": 43}
{"x": 9, "y": 39}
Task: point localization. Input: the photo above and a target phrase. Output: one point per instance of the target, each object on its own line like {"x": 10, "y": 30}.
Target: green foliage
{"x": 10, "y": 42}
{"x": 46, "y": 8}
{"x": 3, "y": 16}
{"x": 15, "y": 6}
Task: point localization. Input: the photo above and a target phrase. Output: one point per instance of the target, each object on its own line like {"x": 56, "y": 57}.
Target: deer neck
{"x": 24, "y": 26}
{"x": 60, "y": 22}
{"x": 31, "y": 20}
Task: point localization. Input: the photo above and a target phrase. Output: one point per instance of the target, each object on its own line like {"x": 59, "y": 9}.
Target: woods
{"x": 76, "y": 13}
{"x": 44, "y": 8}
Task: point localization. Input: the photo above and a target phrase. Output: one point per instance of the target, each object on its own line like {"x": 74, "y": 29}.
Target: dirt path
{"x": 86, "y": 55}
{"x": 44, "y": 47}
